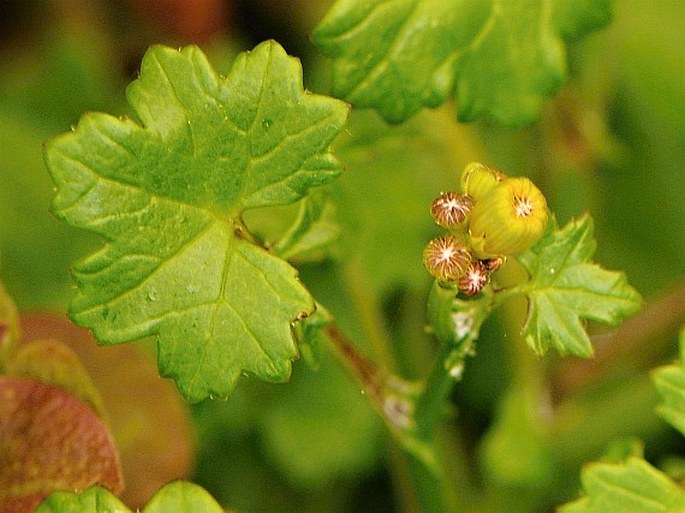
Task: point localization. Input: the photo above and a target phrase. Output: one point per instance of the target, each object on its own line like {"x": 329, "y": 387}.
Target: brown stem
{"x": 391, "y": 396}
{"x": 369, "y": 377}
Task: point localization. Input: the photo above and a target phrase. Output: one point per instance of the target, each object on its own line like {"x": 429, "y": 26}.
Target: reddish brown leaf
{"x": 49, "y": 440}
{"x": 53, "y": 363}
{"x": 148, "y": 419}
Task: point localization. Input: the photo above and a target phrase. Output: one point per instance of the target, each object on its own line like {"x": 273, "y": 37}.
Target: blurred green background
{"x": 611, "y": 142}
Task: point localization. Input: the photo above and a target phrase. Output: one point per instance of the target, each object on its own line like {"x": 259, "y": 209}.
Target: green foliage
{"x": 611, "y": 143}
{"x": 500, "y": 58}
{"x": 632, "y": 486}
{"x": 177, "y": 497}
{"x": 313, "y": 231}
{"x": 670, "y": 382}
{"x": 168, "y": 195}
{"x": 566, "y": 286}
{"x": 95, "y": 500}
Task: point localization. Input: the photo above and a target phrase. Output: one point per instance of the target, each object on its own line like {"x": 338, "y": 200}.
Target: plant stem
{"x": 430, "y": 407}
{"x": 431, "y": 489}
{"x": 365, "y": 372}
{"x": 419, "y": 464}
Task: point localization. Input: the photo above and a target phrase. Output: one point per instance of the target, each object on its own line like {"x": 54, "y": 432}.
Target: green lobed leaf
{"x": 176, "y": 497}
{"x": 92, "y": 500}
{"x": 168, "y": 195}
{"x": 632, "y": 486}
{"x": 500, "y": 58}
{"x": 669, "y": 381}
{"x": 566, "y": 287}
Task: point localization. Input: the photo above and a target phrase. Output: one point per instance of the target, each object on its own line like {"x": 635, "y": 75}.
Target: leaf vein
{"x": 187, "y": 114}
{"x": 162, "y": 263}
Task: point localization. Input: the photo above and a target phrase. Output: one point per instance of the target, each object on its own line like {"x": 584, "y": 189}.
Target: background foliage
{"x": 611, "y": 142}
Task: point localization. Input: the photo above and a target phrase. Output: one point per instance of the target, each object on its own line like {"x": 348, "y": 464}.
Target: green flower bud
{"x": 451, "y": 209}
{"x": 477, "y": 179}
{"x": 509, "y": 219}
{"x": 446, "y": 259}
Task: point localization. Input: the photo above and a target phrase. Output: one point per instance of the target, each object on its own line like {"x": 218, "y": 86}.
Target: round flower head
{"x": 445, "y": 259}
{"x": 509, "y": 219}
{"x": 475, "y": 278}
{"x": 477, "y": 179}
{"x": 451, "y": 209}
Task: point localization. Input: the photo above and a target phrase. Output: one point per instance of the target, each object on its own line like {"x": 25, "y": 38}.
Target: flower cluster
{"x": 495, "y": 216}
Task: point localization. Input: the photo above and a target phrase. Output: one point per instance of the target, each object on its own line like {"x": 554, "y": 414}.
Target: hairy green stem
{"x": 432, "y": 491}
{"x": 430, "y": 408}
{"x": 393, "y": 399}
{"x": 419, "y": 464}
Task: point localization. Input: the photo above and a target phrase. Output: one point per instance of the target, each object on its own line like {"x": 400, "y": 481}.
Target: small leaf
{"x": 500, "y": 58}
{"x": 633, "y": 486}
{"x": 50, "y": 441}
{"x": 92, "y": 500}
{"x": 168, "y": 195}
{"x": 177, "y": 497}
{"x": 670, "y": 383}
{"x": 182, "y": 497}
{"x": 566, "y": 287}
{"x": 313, "y": 230}
{"x": 311, "y": 337}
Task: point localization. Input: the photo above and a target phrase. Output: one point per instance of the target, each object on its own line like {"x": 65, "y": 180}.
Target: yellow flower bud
{"x": 446, "y": 259}
{"x": 477, "y": 179}
{"x": 509, "y": 219}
